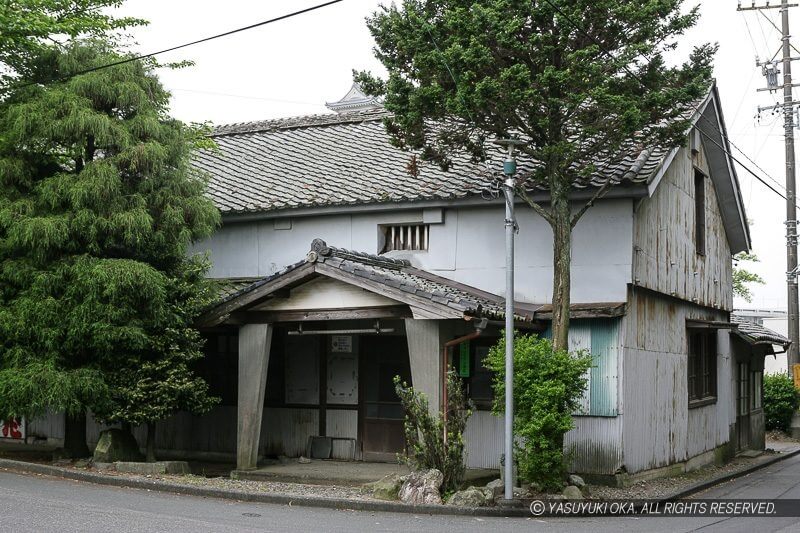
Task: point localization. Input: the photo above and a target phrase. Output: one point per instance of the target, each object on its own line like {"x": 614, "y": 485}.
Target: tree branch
{"x": 597, "y": 195}
{"x": 541, "y": 211}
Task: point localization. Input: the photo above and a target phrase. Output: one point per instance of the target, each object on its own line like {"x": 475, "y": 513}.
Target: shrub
{"x": 781, "y": 399}
{"x": 548, "y": 385}
{"x": 425, "y": 443}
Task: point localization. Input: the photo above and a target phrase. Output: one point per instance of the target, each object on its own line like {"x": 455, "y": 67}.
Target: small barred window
{"x": 412, "y": 237}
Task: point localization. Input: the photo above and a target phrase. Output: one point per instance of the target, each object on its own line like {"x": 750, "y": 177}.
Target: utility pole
{"x": 509, "y": 169}
{"x": 769, "y": 69}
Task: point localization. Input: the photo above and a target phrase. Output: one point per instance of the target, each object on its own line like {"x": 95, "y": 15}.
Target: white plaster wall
{"x": 467, "y": 247}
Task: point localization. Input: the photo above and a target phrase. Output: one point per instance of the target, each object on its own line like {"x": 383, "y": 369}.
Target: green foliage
{"x": 743, "y": 277}
{"x": 781, "y": 400}
{"x": 548, "y": 385}
{"x": 426, "y": 447}
{"x": 98, "y": 209}
{"x": 507, "y": 67}
{"x": 32, "y": 26}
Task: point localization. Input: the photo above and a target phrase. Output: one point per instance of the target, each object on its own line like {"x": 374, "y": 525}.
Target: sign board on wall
{"x": 12, "y": 429}
{"x": 342, "y": 344}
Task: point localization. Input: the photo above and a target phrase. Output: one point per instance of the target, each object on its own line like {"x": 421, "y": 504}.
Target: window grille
{"x": 412, "y": 237}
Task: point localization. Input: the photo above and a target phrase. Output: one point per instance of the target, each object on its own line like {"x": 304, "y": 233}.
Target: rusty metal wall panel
{"x": 484, "y": 440}
{"x": 665, "y": 257}
{"x": 594, "y": 446}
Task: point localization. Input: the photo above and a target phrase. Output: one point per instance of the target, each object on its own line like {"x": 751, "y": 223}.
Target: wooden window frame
{"x": 701, "y": 366}
{"x": 406, "y": 237}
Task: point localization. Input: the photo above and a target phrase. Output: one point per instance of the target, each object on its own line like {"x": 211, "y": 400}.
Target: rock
{"x": 386, "y": 488}
{"x": 83, "y": 463}
{"x": 572, "y": 493}
{"x": 496, "y": 487}
{"x": 422, "y": 488}
{"x": 576, "y": 480}
{"x": 471, "y": 497}
{"x": 116, "y": 445}
{"x": 303, "y": 460}
{"x": 532, "y": 488}
{"x": 520, "y": 493}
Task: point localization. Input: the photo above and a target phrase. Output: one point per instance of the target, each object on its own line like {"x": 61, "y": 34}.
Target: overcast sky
{"x": 294, "y": 66}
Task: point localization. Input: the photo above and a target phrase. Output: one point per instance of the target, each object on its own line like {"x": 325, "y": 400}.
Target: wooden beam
{"x": 272, "y": 317}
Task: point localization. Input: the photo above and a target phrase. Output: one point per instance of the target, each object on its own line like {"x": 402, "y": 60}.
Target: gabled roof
{"x": 427, "y": 295}
{"x": 756, "y": 334}
{"x": 347, "y": 159}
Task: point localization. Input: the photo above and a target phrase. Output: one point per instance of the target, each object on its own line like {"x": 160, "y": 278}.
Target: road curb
{"x": 331, "y": 503}
{"x": 282, "y": 499}
{"x": 703, "y": 485}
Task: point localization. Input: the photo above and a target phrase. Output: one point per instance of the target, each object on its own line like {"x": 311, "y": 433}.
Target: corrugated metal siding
{"x": 594, "y": 446}
{"x": 286, "y": 431}
{"x": 341, "y": 423}
{"x": 601, "y": 338}
{"x": 660, "y": 429}
{"x": 603, "y": 385}
{"x": 50, "y": 425}
{"x": 484, "y": 439}
{"x": 580, "y": 339}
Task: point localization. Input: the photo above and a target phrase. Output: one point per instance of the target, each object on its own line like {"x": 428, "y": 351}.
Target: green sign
{"x": 463, "y": 366}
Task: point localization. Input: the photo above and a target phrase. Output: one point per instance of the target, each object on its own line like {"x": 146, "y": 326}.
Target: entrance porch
{"x": 320, "y": 343}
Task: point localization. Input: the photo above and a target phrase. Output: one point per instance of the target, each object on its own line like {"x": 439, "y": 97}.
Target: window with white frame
{"x": 411, "y": 237}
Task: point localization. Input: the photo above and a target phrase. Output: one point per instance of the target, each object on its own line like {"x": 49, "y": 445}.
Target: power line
{"x": 185, "y": 45}
{"x": 641, "y": 82}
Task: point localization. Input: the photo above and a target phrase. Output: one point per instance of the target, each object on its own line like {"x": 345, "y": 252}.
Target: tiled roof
{"x": 399, "y": 274}
{"x": 348, "y": 159}
{"x": 227, "y": 287}
{"x": 439, "y": 296}
{"x": 758, "y": 334}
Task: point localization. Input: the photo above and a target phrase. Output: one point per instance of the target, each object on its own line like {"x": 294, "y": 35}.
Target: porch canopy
{"x": 757, "y": 335}
{"x": 392, "y": 288}
{"x": 334, "y": 284}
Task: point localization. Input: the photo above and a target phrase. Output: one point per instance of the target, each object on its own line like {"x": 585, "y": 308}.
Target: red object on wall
{"x": 12, "y": 429}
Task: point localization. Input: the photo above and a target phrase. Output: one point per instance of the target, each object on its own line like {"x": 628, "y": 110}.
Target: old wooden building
{"x": 341, "y": 269}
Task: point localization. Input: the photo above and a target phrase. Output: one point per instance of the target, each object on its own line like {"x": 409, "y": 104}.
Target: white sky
{"x": 294, "y": 66}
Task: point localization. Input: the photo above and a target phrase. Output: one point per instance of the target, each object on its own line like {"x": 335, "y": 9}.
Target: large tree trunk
{"x": 75, "y": 436}
{"x": 562, "y": 259}
{"x": 151, "y": 443}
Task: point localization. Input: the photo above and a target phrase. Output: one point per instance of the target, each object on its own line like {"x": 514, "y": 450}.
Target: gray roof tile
{"x": 347, "y": 159}
{"x": 758, "y": 334}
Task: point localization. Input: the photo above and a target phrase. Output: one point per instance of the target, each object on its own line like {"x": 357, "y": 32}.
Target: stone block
{"x": 160, "y": 467}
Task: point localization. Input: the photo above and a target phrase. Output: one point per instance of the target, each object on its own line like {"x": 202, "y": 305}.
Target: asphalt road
{"x": 38, "y": 503}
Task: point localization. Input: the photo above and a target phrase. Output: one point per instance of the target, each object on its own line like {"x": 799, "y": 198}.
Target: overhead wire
{"x": 178, "y": 47}
{"x": 641, "y": 82}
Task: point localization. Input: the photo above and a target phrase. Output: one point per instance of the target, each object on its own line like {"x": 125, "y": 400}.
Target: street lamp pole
{"x": 509, "y": 169}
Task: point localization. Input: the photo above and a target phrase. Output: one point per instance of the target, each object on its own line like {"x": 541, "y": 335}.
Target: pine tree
{"x": 98, "y": 208}
{"x": 575, "y": 79}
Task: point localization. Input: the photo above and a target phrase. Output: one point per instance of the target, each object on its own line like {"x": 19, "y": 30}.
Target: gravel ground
{"x": 657, "y": 488}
